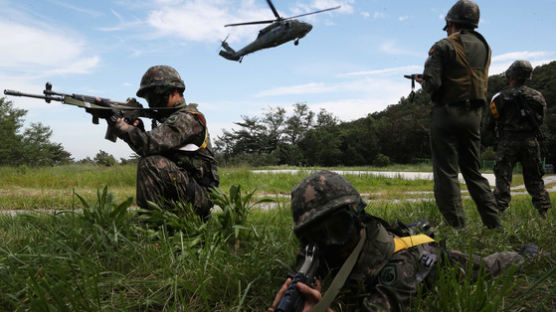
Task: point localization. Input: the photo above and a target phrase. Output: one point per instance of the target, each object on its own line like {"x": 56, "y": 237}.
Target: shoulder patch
{"x": 388, "y": 275}
{"x": 172, "y": 119}
{"x": 432, "y": 50}
{"x": 493, "y": 108}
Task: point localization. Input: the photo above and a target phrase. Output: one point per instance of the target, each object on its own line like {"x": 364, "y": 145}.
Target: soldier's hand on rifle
{"x": 312, "y": 295}
{"x": 419, "y": 79}
{"x": 139, "y": 124}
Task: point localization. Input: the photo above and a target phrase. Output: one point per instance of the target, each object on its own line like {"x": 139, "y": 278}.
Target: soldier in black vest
{"x": 456, "y": 76}
{"x": 516, "y": 115}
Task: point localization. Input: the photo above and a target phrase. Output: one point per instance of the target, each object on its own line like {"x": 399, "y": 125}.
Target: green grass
{"x": 105, "y": 259}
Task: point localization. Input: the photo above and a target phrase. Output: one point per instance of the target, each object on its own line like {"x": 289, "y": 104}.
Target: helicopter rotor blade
{"x": 273, "y": 9}
{"x": 319, "y": 11}
{"x": 251, "y": 23}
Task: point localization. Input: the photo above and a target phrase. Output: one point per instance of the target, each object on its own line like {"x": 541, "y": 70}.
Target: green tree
{"x": 11, "y": 122}
{"x": 104, "y": 159}
{"x": 31, "y": 146}
{"x": 38, "y": 150}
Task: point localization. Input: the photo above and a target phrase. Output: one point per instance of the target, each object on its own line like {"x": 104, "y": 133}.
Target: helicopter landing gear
{"x": 296, "y": 42}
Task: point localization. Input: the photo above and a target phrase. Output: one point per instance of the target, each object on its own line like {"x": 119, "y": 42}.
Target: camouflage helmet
{"x": 319, "y": 195}
{"x": 160, "y": 76}
{"x": 464, "y": 12}
{"x": 520, "y": 69}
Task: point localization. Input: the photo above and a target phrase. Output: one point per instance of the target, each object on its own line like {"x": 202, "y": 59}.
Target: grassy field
{"x": 52, "y": 188}
{"x": 107, "y": 258}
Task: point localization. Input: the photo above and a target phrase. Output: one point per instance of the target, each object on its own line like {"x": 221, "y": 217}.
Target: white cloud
{"x": 391, "y": 47}
{"x": 123, "y": 23}
{"x": 42, "y": 51}
{"x": 520, "y": 55}
{"x": 378, "y": 15}
{"x": 403, "y": 18}
{"x": 365, "y": 14}
{"x": 92, "y": 13}
{"x": 307, "y": 88}
{"x": 384, "y": 90}
{"x": 204, "y": 20}
{"x": 501, "y": 62}
{"x": 346, "y": 5}
{"x": 401, "y": 69}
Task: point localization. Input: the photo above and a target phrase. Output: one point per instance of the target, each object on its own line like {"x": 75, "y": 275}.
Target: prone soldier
{"x": 376, "y": 266}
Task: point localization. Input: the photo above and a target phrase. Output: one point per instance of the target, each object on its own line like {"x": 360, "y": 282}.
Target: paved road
{"x": 388, "y": 174}
{"x": 407, "y": 175}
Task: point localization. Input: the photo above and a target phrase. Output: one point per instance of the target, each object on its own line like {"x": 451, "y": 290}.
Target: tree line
{"x": 399, "y": 133}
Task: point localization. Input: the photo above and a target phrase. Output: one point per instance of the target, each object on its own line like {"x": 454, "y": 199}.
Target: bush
{"x": 104, "y": 159}
{"x": 381, "y": 160}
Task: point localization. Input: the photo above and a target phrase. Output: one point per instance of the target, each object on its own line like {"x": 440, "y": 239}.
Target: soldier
{"x": 387, "y": 266}
{"x": 516, "y": 115}
{"x": 456, "y": 76}
{"x": 176, "y": 160}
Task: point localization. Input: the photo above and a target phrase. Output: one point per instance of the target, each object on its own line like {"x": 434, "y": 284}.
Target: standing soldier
{"x": 176, "y": 161}
{"x": 516, "y": 115}
{"x": 456, "y": 76}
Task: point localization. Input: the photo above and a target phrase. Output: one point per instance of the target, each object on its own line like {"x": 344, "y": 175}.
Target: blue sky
{"x": 350, "y": 64}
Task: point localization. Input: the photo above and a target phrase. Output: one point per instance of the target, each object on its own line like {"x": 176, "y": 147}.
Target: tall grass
{"x": 109, "y": 259}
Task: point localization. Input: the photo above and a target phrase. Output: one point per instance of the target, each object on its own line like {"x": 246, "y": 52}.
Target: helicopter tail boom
{"x": 228, "y": 52}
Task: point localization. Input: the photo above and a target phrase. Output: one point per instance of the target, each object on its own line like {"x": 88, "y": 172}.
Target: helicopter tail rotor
{"x": 228, "y": 52}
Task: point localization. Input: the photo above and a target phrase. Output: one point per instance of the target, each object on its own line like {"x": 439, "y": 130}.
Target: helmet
{"x": 521, "y": 70}
{"x": 160, "y": 76}
{"x": 464, "y": 12}
{"x": 320, "y": 195}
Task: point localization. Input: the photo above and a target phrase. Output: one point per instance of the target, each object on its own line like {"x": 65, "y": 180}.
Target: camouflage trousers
{"x": 455, "y": 142}
{"x": 527, "y": 152}
{"x": 493, "y": 264}
{"x": 160, "y": 180}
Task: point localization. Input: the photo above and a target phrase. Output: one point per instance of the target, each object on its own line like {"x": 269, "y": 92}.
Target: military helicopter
{"x": 279, "y": 31}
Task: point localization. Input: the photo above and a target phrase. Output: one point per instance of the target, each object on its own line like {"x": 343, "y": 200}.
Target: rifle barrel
{"x": 37, "y": 96}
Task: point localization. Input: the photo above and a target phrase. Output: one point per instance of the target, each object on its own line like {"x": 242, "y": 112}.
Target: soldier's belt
{"x": 405, "y": 242}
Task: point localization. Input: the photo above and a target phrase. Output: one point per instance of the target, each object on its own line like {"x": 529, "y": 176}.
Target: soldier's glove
{"x": 137, "y": 123}
{"x": 113, "y": 118}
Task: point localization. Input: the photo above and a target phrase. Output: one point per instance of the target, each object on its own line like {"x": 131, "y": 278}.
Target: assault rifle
{"x": 98, "y": 107}
{"x": 413, "y": 77}
{"x": 293, "y": 301}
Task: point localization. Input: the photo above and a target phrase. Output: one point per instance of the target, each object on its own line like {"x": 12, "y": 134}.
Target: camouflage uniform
{"x": 456, "y": 75}
{"x": 167, "y": 169}
{"x": 382, "y": 280}
{"x": 517, "y": 142}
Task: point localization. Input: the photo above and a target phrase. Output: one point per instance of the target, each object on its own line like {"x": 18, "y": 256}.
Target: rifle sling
{"x": 341, "y": 276}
